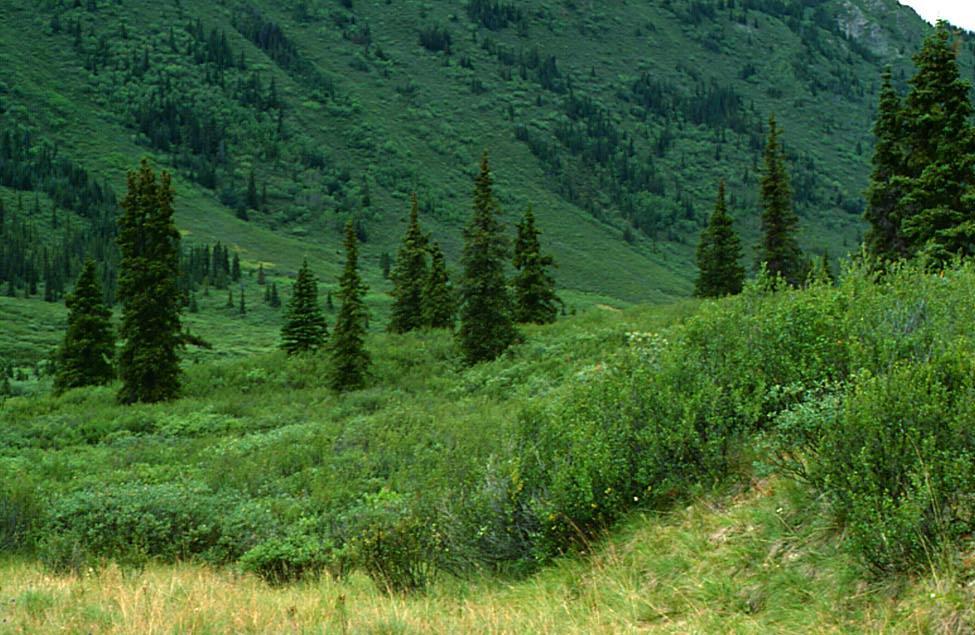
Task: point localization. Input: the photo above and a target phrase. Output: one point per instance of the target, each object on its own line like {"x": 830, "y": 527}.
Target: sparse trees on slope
{"x": 535, "y": 300}
{"x": 779, "y": 251}
{"x": 304, "y": 325}
{"x": 438, "y": 297}
{"x": 486, "y": 328}
{"x": 409, "y": 276}
{"x": 350, "y": 360}
{"x": 718, "y": 254}
{"x": 86, "y": 354}
{"x": 148, "y": 289}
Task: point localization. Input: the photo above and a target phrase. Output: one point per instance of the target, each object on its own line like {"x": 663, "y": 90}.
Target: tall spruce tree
{"x": 718, "y": 254}
{"x": 535, "y": 301}
{"x": 409, "y": 276}
{"x": 304, "y": 327}
{"x": 86, "y": 354}
{"x": 938, "y": 215}
{"x": 486, "y": 327}
{"x": 350, "y": 360}
{"x": 884, "y": 238}
{"x": 148, "y": 289}
{"x": 438, "y": 298}
{"x": 779, "y": 251}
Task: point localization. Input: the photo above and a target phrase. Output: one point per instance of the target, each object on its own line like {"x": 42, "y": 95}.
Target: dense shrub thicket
{"x": 860, "y": 391}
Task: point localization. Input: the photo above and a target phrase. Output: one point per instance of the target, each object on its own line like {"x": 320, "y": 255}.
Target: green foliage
{"x": 396, "y": 547}
{"x": 534, "y": 288}
{"x": 350, "y": 360}
{"x": 718, "y": 254}
{"x": 486, "y": 328}
{"x": 921, "y": 188}
{"x": 779, "y": 250}
{"x": 300, "y": 554}
{"x": 20, "y": 511}
{"x": 85, "y": 357}
{"x": 149, "y": 243}
{"x": 304, "y": 324}
{"x": 409, "y": 275}
{"x": 439, "y": 305}
{"x": 940, "y": 154}
{"x": 884, "y": 238}
{"x": 133, "y": 523}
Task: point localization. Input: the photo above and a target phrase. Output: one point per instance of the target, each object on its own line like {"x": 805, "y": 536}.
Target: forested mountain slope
{"x": 615, "y": 120}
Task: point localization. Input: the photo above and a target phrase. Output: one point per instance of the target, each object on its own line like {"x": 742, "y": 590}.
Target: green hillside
{"x": 615, "y": 121}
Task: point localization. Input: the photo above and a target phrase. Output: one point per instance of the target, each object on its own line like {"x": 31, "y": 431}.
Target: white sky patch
{"x": 958, "y": 12}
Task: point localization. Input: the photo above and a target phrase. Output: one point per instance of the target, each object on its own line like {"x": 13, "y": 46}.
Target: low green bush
{"x": 303, "y": 553}
{"x": 397, "y": 546}
{"x": 133, "y": 523}
{"x": 20, "y": 511}
{"x": 899, "y": 462}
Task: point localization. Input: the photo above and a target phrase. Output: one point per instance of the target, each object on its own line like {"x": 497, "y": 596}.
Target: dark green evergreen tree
{"x": 779, "y": 251}
{"x": 409, "y": 275}
{"x": 350, "y": 360}
{"x": 261, "y": 278}
{"x": 938, "y": 215}
{"x": 439, "y": 307}
{"x": 85, "y": 356}
{"x": 304, "y": 326}
{"x": 719, "y": 254}
{"x": 235, "y": 268}
{"x": 486, "y": 327}
{"x": 275, "y": 300}
{"x": 242, "y": 307}
{"x": 251, "y": 199}
{"x": 535, "y": 300}
{"x": 884, "y": 239}
{"x": 148, "y": 289}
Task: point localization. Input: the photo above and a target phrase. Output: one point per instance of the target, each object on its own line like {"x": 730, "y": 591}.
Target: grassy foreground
{"x": 741, "y": 561}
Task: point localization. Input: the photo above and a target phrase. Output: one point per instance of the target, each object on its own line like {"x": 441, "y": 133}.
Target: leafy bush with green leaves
{"x": 133, "y": 523}
{"x": 899, "y": 461}
{"x": 304, "y": 552}
{"x": 397, "y": 546}
{"x": 20, "y": 510}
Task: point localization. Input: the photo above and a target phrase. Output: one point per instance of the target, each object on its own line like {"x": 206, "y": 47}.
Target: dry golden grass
{"x": 728, "y": 565}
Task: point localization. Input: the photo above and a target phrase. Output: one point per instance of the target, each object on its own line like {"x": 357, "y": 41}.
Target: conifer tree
{"x": 779, "y": 251}
{"x": 242, "y": 307}
{"x": 148, "y": 289}
{"x": 438, "y": 297}
{"x": 261, "y": 279}
{"x": 938, "y": 216}
{"x": 235, "y": 268}
{"x": 350, "y": 360}
{"x": 718, "y": 254}
{"x": 230, "y": 299}
{"x": 535, "y": 300}
{"x": 304, "y": 327}
{"x": 486, "y": 327}
{"x": 884, "y": 239}
{"x": 250, "y": 198}
{"x": 409, "y": 275}
{"x": 275, "y": 301}
{"x": 85, "y": 356}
